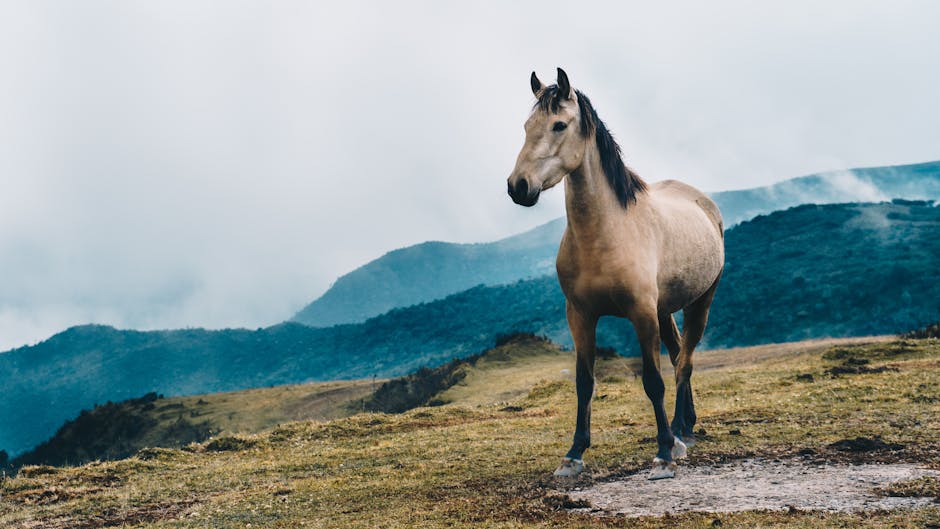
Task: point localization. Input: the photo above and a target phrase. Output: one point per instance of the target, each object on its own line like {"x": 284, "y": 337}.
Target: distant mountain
{"x": 433, "y": 270}
{"x": 811, "y": 271}
{"x": 871, "y": 184}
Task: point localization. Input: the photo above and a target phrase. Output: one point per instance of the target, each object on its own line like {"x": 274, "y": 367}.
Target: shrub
{"x": 930, "y": 331}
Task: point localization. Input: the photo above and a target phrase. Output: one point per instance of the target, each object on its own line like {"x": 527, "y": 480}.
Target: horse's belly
{"x": 683, "y": 281}
{"x": 678, "y": 293}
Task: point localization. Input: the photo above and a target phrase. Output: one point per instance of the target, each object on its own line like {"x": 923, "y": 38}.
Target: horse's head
{"x": 555, "y": 137}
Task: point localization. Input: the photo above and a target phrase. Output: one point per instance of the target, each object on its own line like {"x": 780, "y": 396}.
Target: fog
{"x": 173, "y": 164}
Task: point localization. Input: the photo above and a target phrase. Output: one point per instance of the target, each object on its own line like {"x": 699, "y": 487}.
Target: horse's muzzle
{"x": 522, "y": 195}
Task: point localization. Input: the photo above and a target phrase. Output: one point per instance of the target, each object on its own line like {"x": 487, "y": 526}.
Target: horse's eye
{"x": 559, "y": 126}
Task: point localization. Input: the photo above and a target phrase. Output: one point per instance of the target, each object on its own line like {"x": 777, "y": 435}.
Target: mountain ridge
{"x": 435, "y": 269}
{"x": 875, "y": 275}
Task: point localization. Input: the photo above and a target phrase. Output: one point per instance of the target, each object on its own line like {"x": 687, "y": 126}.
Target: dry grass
{"x": 485, "y": 459}
{"x": 258, "y": 409}
{"x": 508, "y": 375}
{"x": 254, "y": 410}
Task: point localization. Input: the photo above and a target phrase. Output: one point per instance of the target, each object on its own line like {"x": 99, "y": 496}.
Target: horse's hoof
{"x": 679, "y": 449}
{"x": 662, "y": 469}
{"x": 689, "y": 441}
{"x": 569, "y": 468}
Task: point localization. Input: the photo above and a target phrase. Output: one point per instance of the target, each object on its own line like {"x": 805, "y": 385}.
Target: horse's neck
{"x": 590, "y": 203}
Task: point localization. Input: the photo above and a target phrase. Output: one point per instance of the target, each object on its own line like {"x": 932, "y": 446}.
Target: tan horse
{"x": 631, "y": 250}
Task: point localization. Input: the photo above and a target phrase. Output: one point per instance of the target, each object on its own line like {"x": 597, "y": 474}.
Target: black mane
{"x": 625, "y": 183}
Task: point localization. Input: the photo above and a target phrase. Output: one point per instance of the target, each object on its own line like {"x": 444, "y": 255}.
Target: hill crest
{"x": 434, "y": 270}
{"x": 875, "y": 274}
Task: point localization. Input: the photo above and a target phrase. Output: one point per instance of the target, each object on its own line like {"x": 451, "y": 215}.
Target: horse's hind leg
{"x": 669, "y": 334}
{"x": 695, "y": 317}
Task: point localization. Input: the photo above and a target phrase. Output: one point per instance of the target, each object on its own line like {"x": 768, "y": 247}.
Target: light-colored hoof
{"x": 679, "y": 449}
{"x": 689, "y": 441}
{"x": 662, "y": 469}
{"x": 569, "y": 468}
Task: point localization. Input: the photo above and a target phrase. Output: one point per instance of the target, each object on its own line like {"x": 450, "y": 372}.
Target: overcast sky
{"x": 180, "y": 163}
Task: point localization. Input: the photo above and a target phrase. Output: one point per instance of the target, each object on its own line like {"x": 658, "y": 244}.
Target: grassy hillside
{"x": 835, "y": 270}
{"x": 119, "y": 430}
{"x": 433, "y": 270}
{"x": 485, "y": 459}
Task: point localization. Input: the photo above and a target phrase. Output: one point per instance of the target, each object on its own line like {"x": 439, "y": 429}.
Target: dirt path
{"x": 755, "y": 484}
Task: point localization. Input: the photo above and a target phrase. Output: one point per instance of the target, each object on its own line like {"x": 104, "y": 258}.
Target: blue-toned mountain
{"x": 433, "y": 270}
{"x": 810, "y": 271}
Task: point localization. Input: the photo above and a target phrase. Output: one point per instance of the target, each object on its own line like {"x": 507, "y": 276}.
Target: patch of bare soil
{"x": 752, "y": 484}
{"x": 857, "y": 366}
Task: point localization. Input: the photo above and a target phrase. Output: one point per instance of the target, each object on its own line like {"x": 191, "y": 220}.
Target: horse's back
{"x": 682, "y": 193}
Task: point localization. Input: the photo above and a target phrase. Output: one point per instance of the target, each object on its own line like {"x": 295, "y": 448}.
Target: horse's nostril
{"x": 509, "y": 188}
{"x": 522, "y": 188}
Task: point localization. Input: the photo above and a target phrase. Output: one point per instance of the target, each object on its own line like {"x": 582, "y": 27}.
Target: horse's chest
{"x": 609, "y": 286}
{"x": 601, "y": 296}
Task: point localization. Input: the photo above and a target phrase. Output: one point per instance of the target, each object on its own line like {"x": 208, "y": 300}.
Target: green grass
{"x": 485, "y": 459}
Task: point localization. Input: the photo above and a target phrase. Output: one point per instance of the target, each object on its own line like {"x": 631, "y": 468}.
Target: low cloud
{"x": 189, "y": 164}
{"x": 854, "y": 189}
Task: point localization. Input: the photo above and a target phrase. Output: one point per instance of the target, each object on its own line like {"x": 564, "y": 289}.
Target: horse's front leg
{"x": 583, "y": 328}
{"x": 670, "y": 448}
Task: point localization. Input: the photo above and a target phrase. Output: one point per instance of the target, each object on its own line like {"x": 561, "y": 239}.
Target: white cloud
{"x": 219, "y": 164}
{"x": 854, "y": 189}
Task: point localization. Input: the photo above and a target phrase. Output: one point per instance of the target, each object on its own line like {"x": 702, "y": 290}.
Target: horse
{"x": 631, "y": 250}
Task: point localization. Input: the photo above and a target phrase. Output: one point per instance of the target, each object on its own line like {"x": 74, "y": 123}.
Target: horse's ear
{"x": 536, "y": 84}
{"x": 564, "y": 87}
